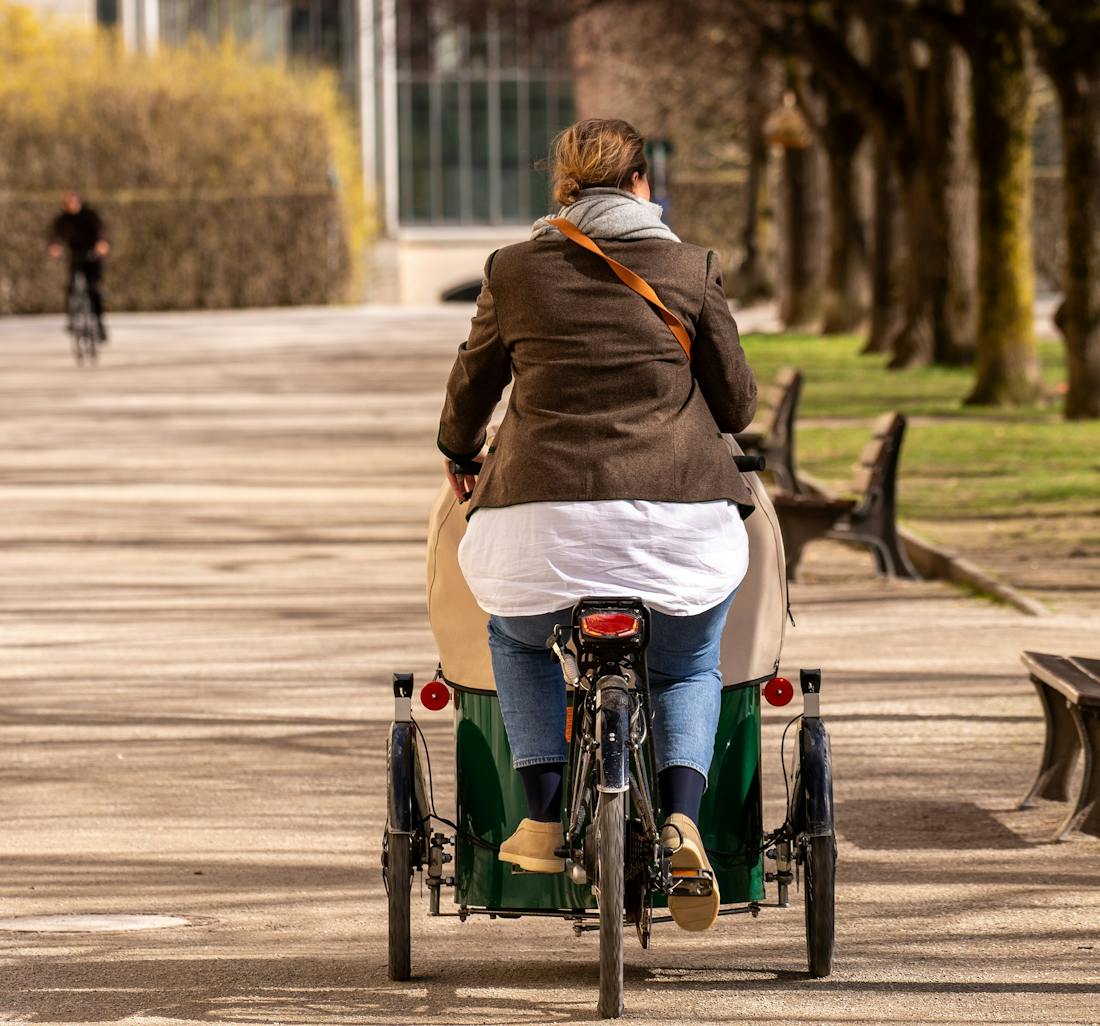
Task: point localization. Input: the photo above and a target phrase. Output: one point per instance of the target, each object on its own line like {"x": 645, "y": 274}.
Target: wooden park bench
{"x": 1069, "y": 692}
{"x": 773, "y": 437}
{"x": 870, "y": 519}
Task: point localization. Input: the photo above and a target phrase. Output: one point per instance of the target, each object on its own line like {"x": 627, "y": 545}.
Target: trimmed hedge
{"x": 224, "y": 181}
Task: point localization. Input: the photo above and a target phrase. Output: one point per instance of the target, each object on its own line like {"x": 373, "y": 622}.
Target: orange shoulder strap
{"x": 629, "y": 278}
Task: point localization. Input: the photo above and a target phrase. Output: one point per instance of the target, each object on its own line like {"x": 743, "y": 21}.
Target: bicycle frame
{"x": 82, "y": 318}
{"x": 610, "y": 713}
{"x": 611, "y": 747}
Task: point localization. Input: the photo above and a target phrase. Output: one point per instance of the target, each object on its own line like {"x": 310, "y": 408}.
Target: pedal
{"x": 691, "y": 883}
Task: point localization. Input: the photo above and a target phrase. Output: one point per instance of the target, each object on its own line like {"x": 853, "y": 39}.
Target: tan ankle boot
{"x": 682, "y": 835}
{"x": 532, "y": 847}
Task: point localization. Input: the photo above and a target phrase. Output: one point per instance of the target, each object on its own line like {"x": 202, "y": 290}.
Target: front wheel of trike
{"x": 610, "y": 830}
{"x": 819, "y": 858}
{"x": 398, "y": 876}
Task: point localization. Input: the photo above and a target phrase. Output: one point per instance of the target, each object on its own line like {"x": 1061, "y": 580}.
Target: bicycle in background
{"x": 83, "y": 324}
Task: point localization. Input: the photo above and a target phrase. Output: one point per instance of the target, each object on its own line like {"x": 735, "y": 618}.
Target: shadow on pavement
{"x": 336, "y": 991}
{"x": 901, "y": 825}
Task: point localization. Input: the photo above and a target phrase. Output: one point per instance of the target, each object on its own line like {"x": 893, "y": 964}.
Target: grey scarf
{"x": 605, "y": 213}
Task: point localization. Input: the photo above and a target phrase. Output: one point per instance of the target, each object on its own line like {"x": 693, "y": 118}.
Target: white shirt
{"x": 681, "y": 558}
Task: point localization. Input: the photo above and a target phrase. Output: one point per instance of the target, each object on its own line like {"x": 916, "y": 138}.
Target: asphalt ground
{"x": 211, "y": 561}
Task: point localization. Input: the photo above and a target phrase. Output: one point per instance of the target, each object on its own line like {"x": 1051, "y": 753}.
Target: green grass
{"x": 959, "y": 464}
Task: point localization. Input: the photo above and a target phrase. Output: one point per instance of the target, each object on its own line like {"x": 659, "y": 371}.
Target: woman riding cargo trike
{"x": 611, "y": 607}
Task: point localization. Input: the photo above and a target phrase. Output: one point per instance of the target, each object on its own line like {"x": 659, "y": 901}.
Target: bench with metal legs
{"x": 773, "y": 438}
{"x": 1069, "y": 692}
{"x": 870, "y": 520}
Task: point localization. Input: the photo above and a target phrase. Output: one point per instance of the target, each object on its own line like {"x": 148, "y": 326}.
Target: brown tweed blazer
{"x": 604, "y": 404}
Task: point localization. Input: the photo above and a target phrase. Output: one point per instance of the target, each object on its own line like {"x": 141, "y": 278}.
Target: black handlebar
{"x": 464, "y": 467}
{"x": 749, "y": 464}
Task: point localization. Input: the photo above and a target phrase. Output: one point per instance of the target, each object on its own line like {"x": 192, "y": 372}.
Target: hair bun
{"x": 595, "y": 152}
{"x": 566, "y": 189}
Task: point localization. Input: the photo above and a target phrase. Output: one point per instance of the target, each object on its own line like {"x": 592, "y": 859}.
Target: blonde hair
{"x": 595, "y": 152}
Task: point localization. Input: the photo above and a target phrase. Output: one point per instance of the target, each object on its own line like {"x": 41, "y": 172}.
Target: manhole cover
{"x": 91, "y": 923}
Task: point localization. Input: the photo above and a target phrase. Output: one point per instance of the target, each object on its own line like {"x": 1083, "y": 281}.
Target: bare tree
{"x": 996, "y": 36}
{"x": 802, "y": 290}
{"x": 755, "y": 276}
{"x": 902, "y": 97}
{"x": 842, "y": 134}
{"x": 1068, "y": 32}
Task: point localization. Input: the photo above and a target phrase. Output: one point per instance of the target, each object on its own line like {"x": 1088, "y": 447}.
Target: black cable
{"x": 783, "y": 759}
{"x": 769, "y": 839}
{"x": 459, "y": 832}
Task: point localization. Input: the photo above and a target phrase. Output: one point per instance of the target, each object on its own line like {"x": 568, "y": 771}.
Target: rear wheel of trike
{"x": 610, "y": 830}
{"x": 398, "y": 875}
{"x": 819, "y": 869}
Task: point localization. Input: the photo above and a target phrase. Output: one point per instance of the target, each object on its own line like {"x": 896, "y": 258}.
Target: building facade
{"x": 458, "y": 105}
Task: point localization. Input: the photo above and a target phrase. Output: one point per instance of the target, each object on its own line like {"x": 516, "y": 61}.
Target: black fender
{"x": 405, "y": 812}
{"x": 814, "y": 792}
{"x": 613, "y": 708}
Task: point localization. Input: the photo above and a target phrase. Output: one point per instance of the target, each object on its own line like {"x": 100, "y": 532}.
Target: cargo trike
{"x": 619, "y": 874}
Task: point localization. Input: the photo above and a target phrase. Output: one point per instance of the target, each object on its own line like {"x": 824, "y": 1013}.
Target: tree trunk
{"x": 1007, "y": 357}
{"x": 908, "y": 98}
{"x": 955, "y": 308}
{"x": 803, "y": 294}
{"x": 886, "y": 258}
{"x": 754, "y": 280}
{"x": 888, "y": 255}
{"x": 841, "y": 131}
{"x": 847, "y": 289}
{"x": 1079, "y": 93}
{"x": 914, "y": 345}
{"x": 937, "y": 183}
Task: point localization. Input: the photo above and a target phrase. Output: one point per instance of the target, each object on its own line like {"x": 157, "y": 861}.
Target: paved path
{"x": 210, "y": 563}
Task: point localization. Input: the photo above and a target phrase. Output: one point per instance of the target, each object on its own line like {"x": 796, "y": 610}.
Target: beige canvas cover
{"x": 750, "y": 646}
{"x": 753, "y": 639}
{"x": 458, "y": 622}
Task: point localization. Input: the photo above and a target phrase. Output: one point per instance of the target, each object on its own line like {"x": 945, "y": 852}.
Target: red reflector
{"x": 435, "y": 695}
{"x": 610, "y": 625}
{"x": 778, "y": 691}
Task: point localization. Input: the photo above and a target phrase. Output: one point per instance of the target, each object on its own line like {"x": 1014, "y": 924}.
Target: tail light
{"x": 611, "y": 625}
{"x": 778, "y": 691}
{"x": 435, "y": 695}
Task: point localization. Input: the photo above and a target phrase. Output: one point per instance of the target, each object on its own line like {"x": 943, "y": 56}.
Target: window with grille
{"x": 480, "y": 94}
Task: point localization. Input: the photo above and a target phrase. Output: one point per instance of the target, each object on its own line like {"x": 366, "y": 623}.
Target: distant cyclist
{"x": 82, "y": 230}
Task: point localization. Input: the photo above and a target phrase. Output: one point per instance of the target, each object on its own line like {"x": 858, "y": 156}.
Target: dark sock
{"x": 542, "y": 785}
{"x": 681, "y": 790}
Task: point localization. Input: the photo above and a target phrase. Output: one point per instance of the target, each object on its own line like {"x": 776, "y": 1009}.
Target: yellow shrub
{"x": 224, "y": 181}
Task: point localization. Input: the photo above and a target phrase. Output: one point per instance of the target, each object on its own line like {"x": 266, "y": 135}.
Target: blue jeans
{"x": 684, "y": 678}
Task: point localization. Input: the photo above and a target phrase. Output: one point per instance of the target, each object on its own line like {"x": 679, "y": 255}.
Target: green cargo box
{"x": 491, "y": 804}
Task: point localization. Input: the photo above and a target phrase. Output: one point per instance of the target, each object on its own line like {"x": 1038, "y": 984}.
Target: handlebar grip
{"x": 465, "y": 467}
{"x": 749, "y": 464}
